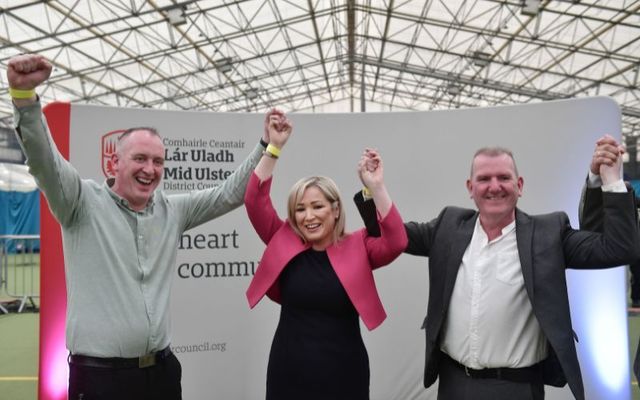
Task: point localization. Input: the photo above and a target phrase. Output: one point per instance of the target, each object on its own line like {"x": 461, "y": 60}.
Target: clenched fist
{"x": 27, "y": 71}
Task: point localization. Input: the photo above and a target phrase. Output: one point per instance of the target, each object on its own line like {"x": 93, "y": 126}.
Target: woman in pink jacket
{"x": 321, "y": 276}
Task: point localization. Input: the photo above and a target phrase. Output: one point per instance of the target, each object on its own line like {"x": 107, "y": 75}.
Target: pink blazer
{"x": 353, "y": 258}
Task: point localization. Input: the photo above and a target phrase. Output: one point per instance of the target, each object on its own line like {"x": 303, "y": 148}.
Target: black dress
{"x": 317, "y": 351}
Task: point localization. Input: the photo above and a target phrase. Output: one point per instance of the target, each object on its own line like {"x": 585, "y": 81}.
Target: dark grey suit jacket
{"x": 546, "y": 245}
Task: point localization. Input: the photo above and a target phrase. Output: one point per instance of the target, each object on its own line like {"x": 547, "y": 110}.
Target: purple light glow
{"x": 55, "y": 373}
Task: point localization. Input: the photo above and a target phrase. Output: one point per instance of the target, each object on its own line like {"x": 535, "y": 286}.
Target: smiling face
{"x": 316, "y": 218}
{"x": 495, "y": 187}
{"x": 138, "y": 166}
{"x": 315, "y": 211}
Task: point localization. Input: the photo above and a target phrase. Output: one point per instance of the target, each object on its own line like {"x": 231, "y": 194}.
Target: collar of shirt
{"x": 480, "y": 236}
{"x": 123, "y": 202}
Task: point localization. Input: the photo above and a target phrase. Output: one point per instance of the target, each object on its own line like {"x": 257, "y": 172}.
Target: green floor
{"x": 19, "y": 331}
{"x": 19, "y": 350}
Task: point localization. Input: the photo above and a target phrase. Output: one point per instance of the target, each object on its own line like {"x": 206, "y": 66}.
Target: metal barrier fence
{"x": 20, "y": 269}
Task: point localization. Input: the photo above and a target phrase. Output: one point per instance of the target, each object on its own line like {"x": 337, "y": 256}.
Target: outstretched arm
{"x": 55, "y": 176}
{"x": 257, "y": 202}
{"x": 211, "y": 203}
{"x": 603, "y": 210}
{"x": 392, "y": 240}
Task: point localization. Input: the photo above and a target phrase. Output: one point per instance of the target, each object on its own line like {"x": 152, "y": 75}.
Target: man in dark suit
{"x": 498, "y": 325}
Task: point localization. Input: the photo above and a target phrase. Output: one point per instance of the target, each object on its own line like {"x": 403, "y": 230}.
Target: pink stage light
{"x": 57, "y": 376}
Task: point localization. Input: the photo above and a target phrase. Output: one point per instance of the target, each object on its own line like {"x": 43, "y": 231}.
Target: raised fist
{"x": 27, "y": 71}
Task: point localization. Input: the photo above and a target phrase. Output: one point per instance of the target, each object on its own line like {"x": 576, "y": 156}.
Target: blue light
{"x": 599, "y": 316}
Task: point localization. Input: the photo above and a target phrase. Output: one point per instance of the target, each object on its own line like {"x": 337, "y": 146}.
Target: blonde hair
{"x": 330, "y": 191}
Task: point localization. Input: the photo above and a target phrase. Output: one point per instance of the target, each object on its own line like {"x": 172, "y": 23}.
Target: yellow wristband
{"x": 22, "y": 94}
{"x": 366, "y": 193}
{"x": 273, "y": 150}
{"x": 266, "y": 153}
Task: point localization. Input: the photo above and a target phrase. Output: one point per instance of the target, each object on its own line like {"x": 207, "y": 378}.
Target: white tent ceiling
{"x": 328, "y": 55}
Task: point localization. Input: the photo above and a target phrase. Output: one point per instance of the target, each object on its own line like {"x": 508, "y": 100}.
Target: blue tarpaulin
{"x": 19, "y": 215}
{"x": 636, "y": 186}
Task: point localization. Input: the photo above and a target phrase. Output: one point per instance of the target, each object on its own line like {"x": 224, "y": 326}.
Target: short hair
{"x": 330, "y": 191}
{"x": 124, "y": 135}
{"x": 494, "y": 151}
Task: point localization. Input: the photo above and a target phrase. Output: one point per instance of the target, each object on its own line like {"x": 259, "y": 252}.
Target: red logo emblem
{"x": 109, "y": 146}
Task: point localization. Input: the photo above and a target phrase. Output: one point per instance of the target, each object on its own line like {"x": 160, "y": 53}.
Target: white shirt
{"x": 490, "y": 322}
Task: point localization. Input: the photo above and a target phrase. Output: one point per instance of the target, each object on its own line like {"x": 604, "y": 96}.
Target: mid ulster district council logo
{"x": 109, "y": 146}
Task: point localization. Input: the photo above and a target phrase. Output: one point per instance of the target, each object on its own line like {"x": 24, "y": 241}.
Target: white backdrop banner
{"x": 224, "y": 346}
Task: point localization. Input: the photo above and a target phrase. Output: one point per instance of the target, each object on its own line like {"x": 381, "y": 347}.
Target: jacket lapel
{"x": 459, "y": 242}
{"x": 283, "y": 246}
{"x": 524, "y": 237}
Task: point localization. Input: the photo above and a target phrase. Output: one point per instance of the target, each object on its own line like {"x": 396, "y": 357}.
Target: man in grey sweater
{"x": 120, "y": 244}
